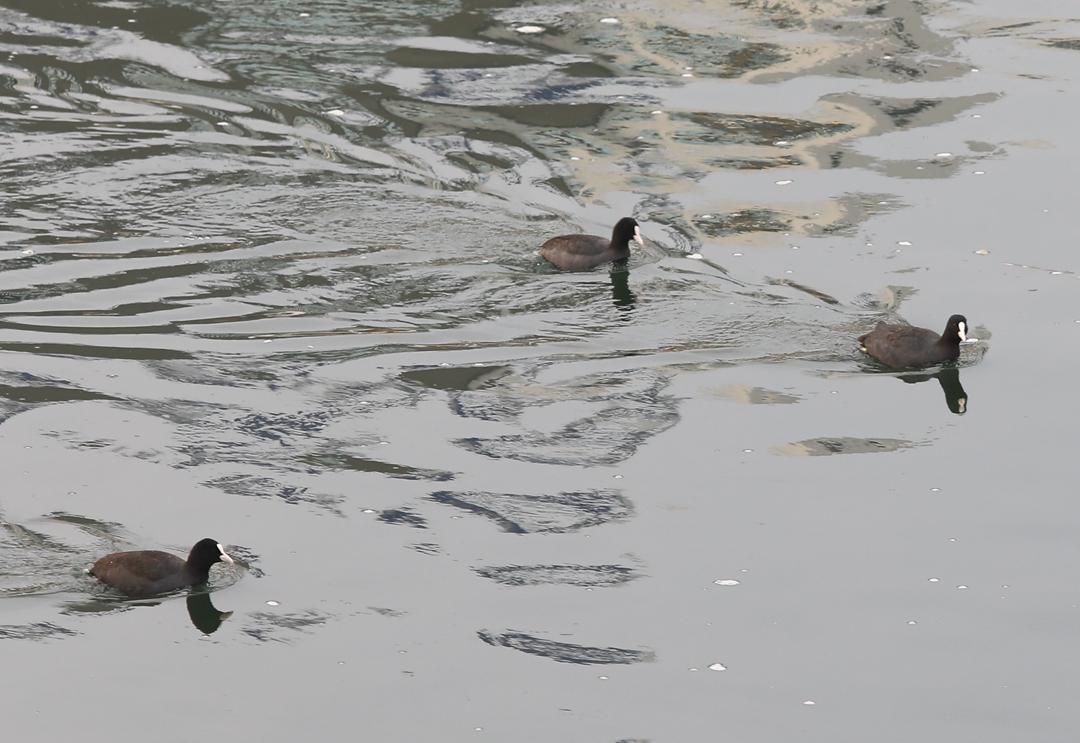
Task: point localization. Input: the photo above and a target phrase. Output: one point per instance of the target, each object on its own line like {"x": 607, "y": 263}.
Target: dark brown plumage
{"x": 904, "y": 346}
{"x": 582, "y": 252}
{"x": 149, "y": 572}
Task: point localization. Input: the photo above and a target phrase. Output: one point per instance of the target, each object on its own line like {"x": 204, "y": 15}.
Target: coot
{"x": 149, "y": 572}
{"x": 904, "y": 346}
{"x": 581, "y": 252}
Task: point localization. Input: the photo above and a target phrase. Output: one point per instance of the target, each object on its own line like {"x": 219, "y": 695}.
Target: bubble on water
{"x": 905, "y": 243}
{"x": 574, "y": 157}
{"x": 786, "y": 182}
{"x": 717, "y": 667}
{"x": 273, "y": 603}
{"x": 737, "y": 255}
{"x": 976, "y": 116}
{"x": 943, "y": 154}
{"x": 368, "y": 510}
{"x": 912, "y": 621}
{"x": 656, "y": 112}
{"x": 982, "y": 251}
{"x": 305, "y": 15}
{"x": 530, "y": 29}
{"x": 934, "y": 580}
{"x": 935, "y": 490}
{"x": 961, "y": 587}
{"x": 809, "y": 703}
{"x": 603, "y": 678}
{"x": 609, "y": 20}
{"x": 980, "y": 172}
{"x": 794, "y": 247}
{"x": 952, "y": 539}
{"x": 726, "y": 582}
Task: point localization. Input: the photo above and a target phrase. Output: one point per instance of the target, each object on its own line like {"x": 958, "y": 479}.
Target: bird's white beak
{"x": 963, "y": 332}
{"x": 638, "y": 238}
{"x": 225, "y": 555}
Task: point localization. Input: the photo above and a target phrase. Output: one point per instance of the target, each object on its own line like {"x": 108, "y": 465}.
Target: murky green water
{"x": 268, "y": 275}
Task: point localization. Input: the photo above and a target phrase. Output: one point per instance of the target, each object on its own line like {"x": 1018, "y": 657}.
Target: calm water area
{"x": 268, "y": 274}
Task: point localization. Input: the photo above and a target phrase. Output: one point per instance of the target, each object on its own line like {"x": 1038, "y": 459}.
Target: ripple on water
{"x": 566, "y": 652}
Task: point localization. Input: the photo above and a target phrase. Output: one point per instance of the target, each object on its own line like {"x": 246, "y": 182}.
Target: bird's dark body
{"x": 904, "y": 346}
{"x": 581, "y": 252}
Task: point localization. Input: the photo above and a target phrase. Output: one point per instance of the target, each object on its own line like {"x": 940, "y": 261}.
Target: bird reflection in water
{"x": 621, "y": 294}
{"x": 204, "y": 615}
{"x": 949, "y": 378}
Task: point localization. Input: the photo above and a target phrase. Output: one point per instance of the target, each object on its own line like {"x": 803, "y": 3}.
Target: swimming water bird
{"x": 904, "y": 346}
{"x": 149, "y": 572}
{"x": 582, "y": 252}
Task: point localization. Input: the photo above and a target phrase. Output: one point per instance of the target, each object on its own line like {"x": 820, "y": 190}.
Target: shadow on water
{"x": 949, "y": 379}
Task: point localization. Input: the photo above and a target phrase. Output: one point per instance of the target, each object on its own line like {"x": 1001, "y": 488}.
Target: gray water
{"x": 268, "y": 274}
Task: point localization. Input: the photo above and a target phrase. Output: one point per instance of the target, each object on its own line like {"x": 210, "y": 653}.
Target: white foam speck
{"x": 943, "y": 154}
{"x": 609, "y": 20}
{"x": 726, "y": 582}
{"x": 574, "y": 157}
{"x": 273, "y": 603}
{"x": 980, "y": 172}
{"x": 905, "y": 243}
{"x": 28, "y": 251}
{"x": 603, "y": 678}
{"x": 305, "y": 15}
{"x": 717, "y": 667}
{"x": 961, "y": 587}
{"x": 223, "y": 123}
{"x": 781, "y": 143}
{"x": 530, "y": 29}
{"x": 809, "y": 703}
{"x": 737, "y": 255}
{"x": 368, "y": 510}
{"x": 699, "y": 257}
{"x": 982, "y": 251}
{"x": 657, "y": 112}
{"x": 688, "y": 74}
{"x": 935, "y": 580}
{"x": 784, "y": 182}
{"x": 912, "y": 621}
{"x": 335, "y": 112}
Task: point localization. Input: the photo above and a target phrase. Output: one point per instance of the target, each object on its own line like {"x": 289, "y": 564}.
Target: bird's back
{"x": 578, "y": 252}
{"x": 142, "y": 573}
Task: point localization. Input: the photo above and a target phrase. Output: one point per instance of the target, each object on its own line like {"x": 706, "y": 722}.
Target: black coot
{"x": 581, "y": 252}
{"x": 904, "y": 346}
{"x": 149, "y": 572}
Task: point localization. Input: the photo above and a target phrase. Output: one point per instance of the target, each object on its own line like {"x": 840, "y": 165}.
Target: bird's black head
{"x": 205, "y": 553}
{"x": 956, "y": 330}
{"x": 626, "y": 229}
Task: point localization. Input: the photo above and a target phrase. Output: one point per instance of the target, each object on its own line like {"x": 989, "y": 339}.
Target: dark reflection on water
{"x": 204, "y": 615}
{"x": 956, "y": 399}
{"x": 621, "y": 293}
